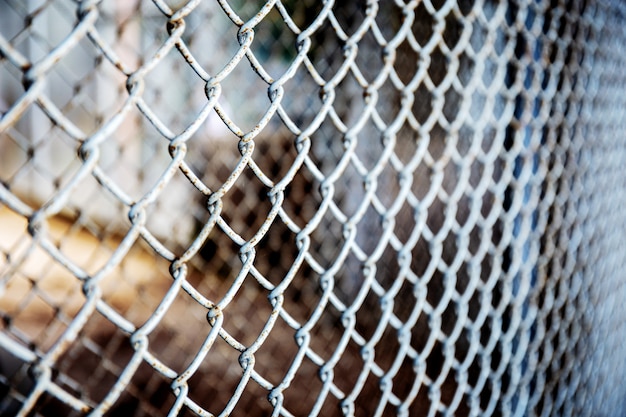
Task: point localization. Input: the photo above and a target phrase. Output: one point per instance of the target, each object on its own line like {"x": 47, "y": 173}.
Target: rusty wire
{"x": 312, "y": 208}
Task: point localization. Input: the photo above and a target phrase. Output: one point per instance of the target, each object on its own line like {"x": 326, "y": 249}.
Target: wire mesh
{"x": 312, "y": 208}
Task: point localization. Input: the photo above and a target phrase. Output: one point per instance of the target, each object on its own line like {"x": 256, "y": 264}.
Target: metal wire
{"x": 312, "y": 208}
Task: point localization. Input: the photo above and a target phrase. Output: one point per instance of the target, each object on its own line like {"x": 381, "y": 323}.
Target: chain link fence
{"x": 312, "y": 208}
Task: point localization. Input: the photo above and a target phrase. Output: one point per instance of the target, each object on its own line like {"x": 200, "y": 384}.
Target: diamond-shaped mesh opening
{"x": 310, "y": 208}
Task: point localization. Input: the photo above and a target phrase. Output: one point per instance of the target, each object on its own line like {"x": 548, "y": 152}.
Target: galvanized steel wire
{"x": 312, "y": 208}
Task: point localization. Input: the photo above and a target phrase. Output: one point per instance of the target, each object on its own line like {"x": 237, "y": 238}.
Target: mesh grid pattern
{"x": 312, "y": 208}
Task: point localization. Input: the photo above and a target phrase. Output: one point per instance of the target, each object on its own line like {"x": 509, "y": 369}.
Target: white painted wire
{"x": 312, "y": 208}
